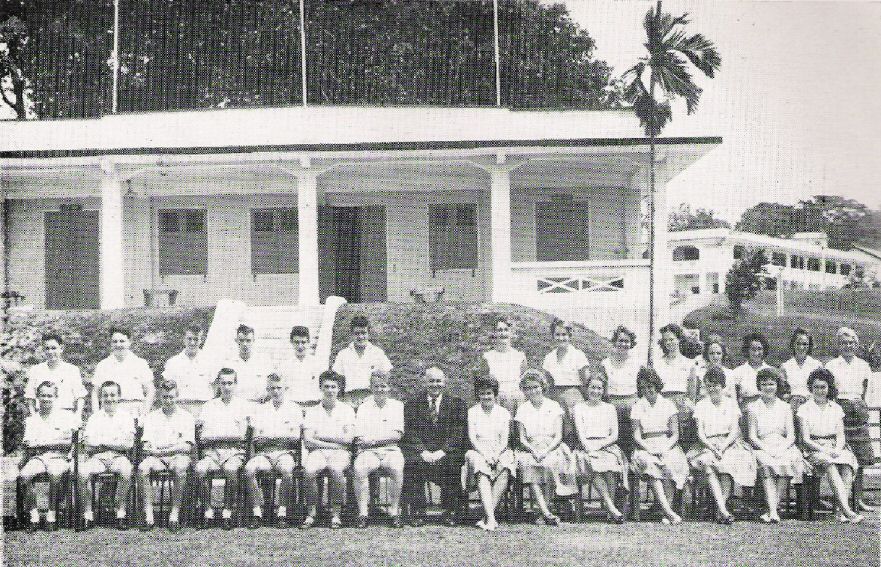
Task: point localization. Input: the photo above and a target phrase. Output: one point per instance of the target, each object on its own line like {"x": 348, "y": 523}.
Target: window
{"x": 830, "y": 267}
{"x": 814, "y": 264}
{"x": 778, "y": 259}
{"x": 183, "y": 242}
{"x": 562, "y": 230}
{"x": 739, "y": 252}
{"x": 452, "y": 236}
{"x": 845, "y": 269}
{"x": 681, "y": 253}
{"x": 275, "y": 247}
{"x": 797, "y": 262}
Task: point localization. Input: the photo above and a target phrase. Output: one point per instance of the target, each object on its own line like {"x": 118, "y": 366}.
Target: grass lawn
{"x": 792, "y": 542}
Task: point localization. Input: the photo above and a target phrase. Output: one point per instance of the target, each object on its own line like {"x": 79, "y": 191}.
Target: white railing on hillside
{"x": 600, "y": 294}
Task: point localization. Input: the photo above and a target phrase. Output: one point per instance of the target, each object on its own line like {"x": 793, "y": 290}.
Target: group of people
{"x": 550, "y": 427}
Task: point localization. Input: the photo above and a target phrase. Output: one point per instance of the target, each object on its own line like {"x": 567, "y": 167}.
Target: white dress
{"x": 716, "y": 423}
{"x": 654, "y": 421}
{"x": 772, "y": 422}
{"x": 541, "y": 425}
{"x": 492, "y": 432}
{"x": 595, "y": 423}
{"x": 822, "y": 422}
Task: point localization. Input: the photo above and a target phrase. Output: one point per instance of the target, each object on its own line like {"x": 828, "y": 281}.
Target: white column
{"x": 112, "y": 272}
{"x": 307, "y": 223}
{"x": 500, "y": 233}
{"x": 661, "y": 252}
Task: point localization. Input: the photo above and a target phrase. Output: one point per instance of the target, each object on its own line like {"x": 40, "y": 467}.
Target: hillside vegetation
{"x": 449, "y": 335}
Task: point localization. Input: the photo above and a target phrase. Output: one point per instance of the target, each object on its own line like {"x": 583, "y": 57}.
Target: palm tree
{"x": 657, "y": 78}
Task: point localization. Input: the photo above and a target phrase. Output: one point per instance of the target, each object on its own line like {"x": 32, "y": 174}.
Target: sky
{"x": 797, "y": 100}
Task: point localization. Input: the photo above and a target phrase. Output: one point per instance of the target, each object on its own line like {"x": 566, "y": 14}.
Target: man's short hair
{"x": 195, "y": 328}
{"x": 110, "y": 384}
{"x": 226, "y": 371}
{"x": 299, "y": 331}
{"x": 334, "y": 377}
{"x": 122, "y": 331}
{"x": 244, "y": 330}
{"x": 52, "y": 337}
{"x": 379, "y": 374}
{"x": 168, "y": 386}
{"x": 48, "y": 384}
{"x": 273, "y": 378}
{"x": 360, "y": 321}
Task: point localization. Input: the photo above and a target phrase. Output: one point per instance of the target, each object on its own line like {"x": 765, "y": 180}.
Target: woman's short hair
{"x": 333, "y": 377}
{"x": 715, "y": 375}
{"x": 798, "y": 332}
{"x": 715, "y": 340}
{"x": 622, "y": 330}
{"x": 561, "y": 323}
{"x": 670, "y": 328}
{"x": 534, "y": 375}
{"x": 750, "y": 338}
{"x": 486, "y": 383}
{"x": 648, "y": 377}
{"x": 846, "y": 332}
{"x": 825, "y": 375}
{"x": 769, "y": 373}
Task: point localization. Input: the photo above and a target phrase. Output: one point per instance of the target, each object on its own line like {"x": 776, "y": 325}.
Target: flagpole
{"x": 303, "y": 49}
{"x": 114, "y": 56}
{"x": 497, "y": 58}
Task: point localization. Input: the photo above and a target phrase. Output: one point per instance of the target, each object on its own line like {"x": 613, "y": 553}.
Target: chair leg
{"x": 635, "y": 497}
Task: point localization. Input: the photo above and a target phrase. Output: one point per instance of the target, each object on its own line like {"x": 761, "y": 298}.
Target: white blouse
{"x": 717, "y": 420}
{"x": 821, "y": 421}
{"x": 594, "y": 422}
{"x": 653, "y": 418}
{"x": 621, "y": 379}
{"x": 745, "y": 377}
{"x": 849, "y": 376}
{"x": 541, "y": 423}
{"x": 771, "y": 420}
{"x": 797, "y": 375}
{"x": 674, "y": 373}
{"x": 566, "y": 371}
{"x": 490, "y": 430}
{"x": 505, "y": 367}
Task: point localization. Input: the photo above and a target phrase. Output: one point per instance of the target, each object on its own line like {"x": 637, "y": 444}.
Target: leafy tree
{"x": 744, "y": 279}
{"x": 660, "y": 76}
{"x": 684, "y": 219}
{"x": 14, "y": 37}
{"x": 845, "y": 221}
{"x": 185, "y": 54}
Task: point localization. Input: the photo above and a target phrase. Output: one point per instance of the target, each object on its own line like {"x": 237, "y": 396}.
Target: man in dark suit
{"x": 434, "y": 444}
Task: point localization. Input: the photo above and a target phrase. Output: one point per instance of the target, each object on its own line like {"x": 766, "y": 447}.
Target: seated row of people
{"x": 432, "y": 436}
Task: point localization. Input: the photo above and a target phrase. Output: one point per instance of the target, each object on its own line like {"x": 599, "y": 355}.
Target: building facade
{"x": 700, "y": 259}
{"x": 281, "y": 206}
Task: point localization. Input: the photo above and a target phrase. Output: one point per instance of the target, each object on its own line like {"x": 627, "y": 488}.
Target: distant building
{"x": 700, "y": 259}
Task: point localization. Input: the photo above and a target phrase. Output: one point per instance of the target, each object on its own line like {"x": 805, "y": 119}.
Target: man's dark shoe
{"x": 122, "y": 524}
{"x": 254, "y": 522}
{"x": 30, "y": 527}
{"x": 396, "y": 522}
{"x": 173, "y": 527}
{"x": 227, "y": 524}
{"x": 449, "y": 519}
{"x": 145, "y": 527}
{"x": 361, "y": 523}
{"x": 282, "y": 523}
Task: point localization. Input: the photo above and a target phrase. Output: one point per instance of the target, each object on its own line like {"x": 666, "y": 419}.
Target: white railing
{"x": 600, "y": 294}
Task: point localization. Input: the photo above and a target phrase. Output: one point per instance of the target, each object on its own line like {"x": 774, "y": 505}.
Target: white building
{"x": 700, "y": 259}
{"x": 282, "y": 206}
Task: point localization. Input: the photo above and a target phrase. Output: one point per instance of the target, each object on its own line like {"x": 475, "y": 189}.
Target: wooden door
{"x": 374, "y": 277}
{"x": 72, "y": 259}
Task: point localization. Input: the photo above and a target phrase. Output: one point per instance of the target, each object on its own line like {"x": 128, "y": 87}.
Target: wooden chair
{"x": 65, "y": 497}
{"x": 239, "y": 494}
{"x": 269, "y": 481}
